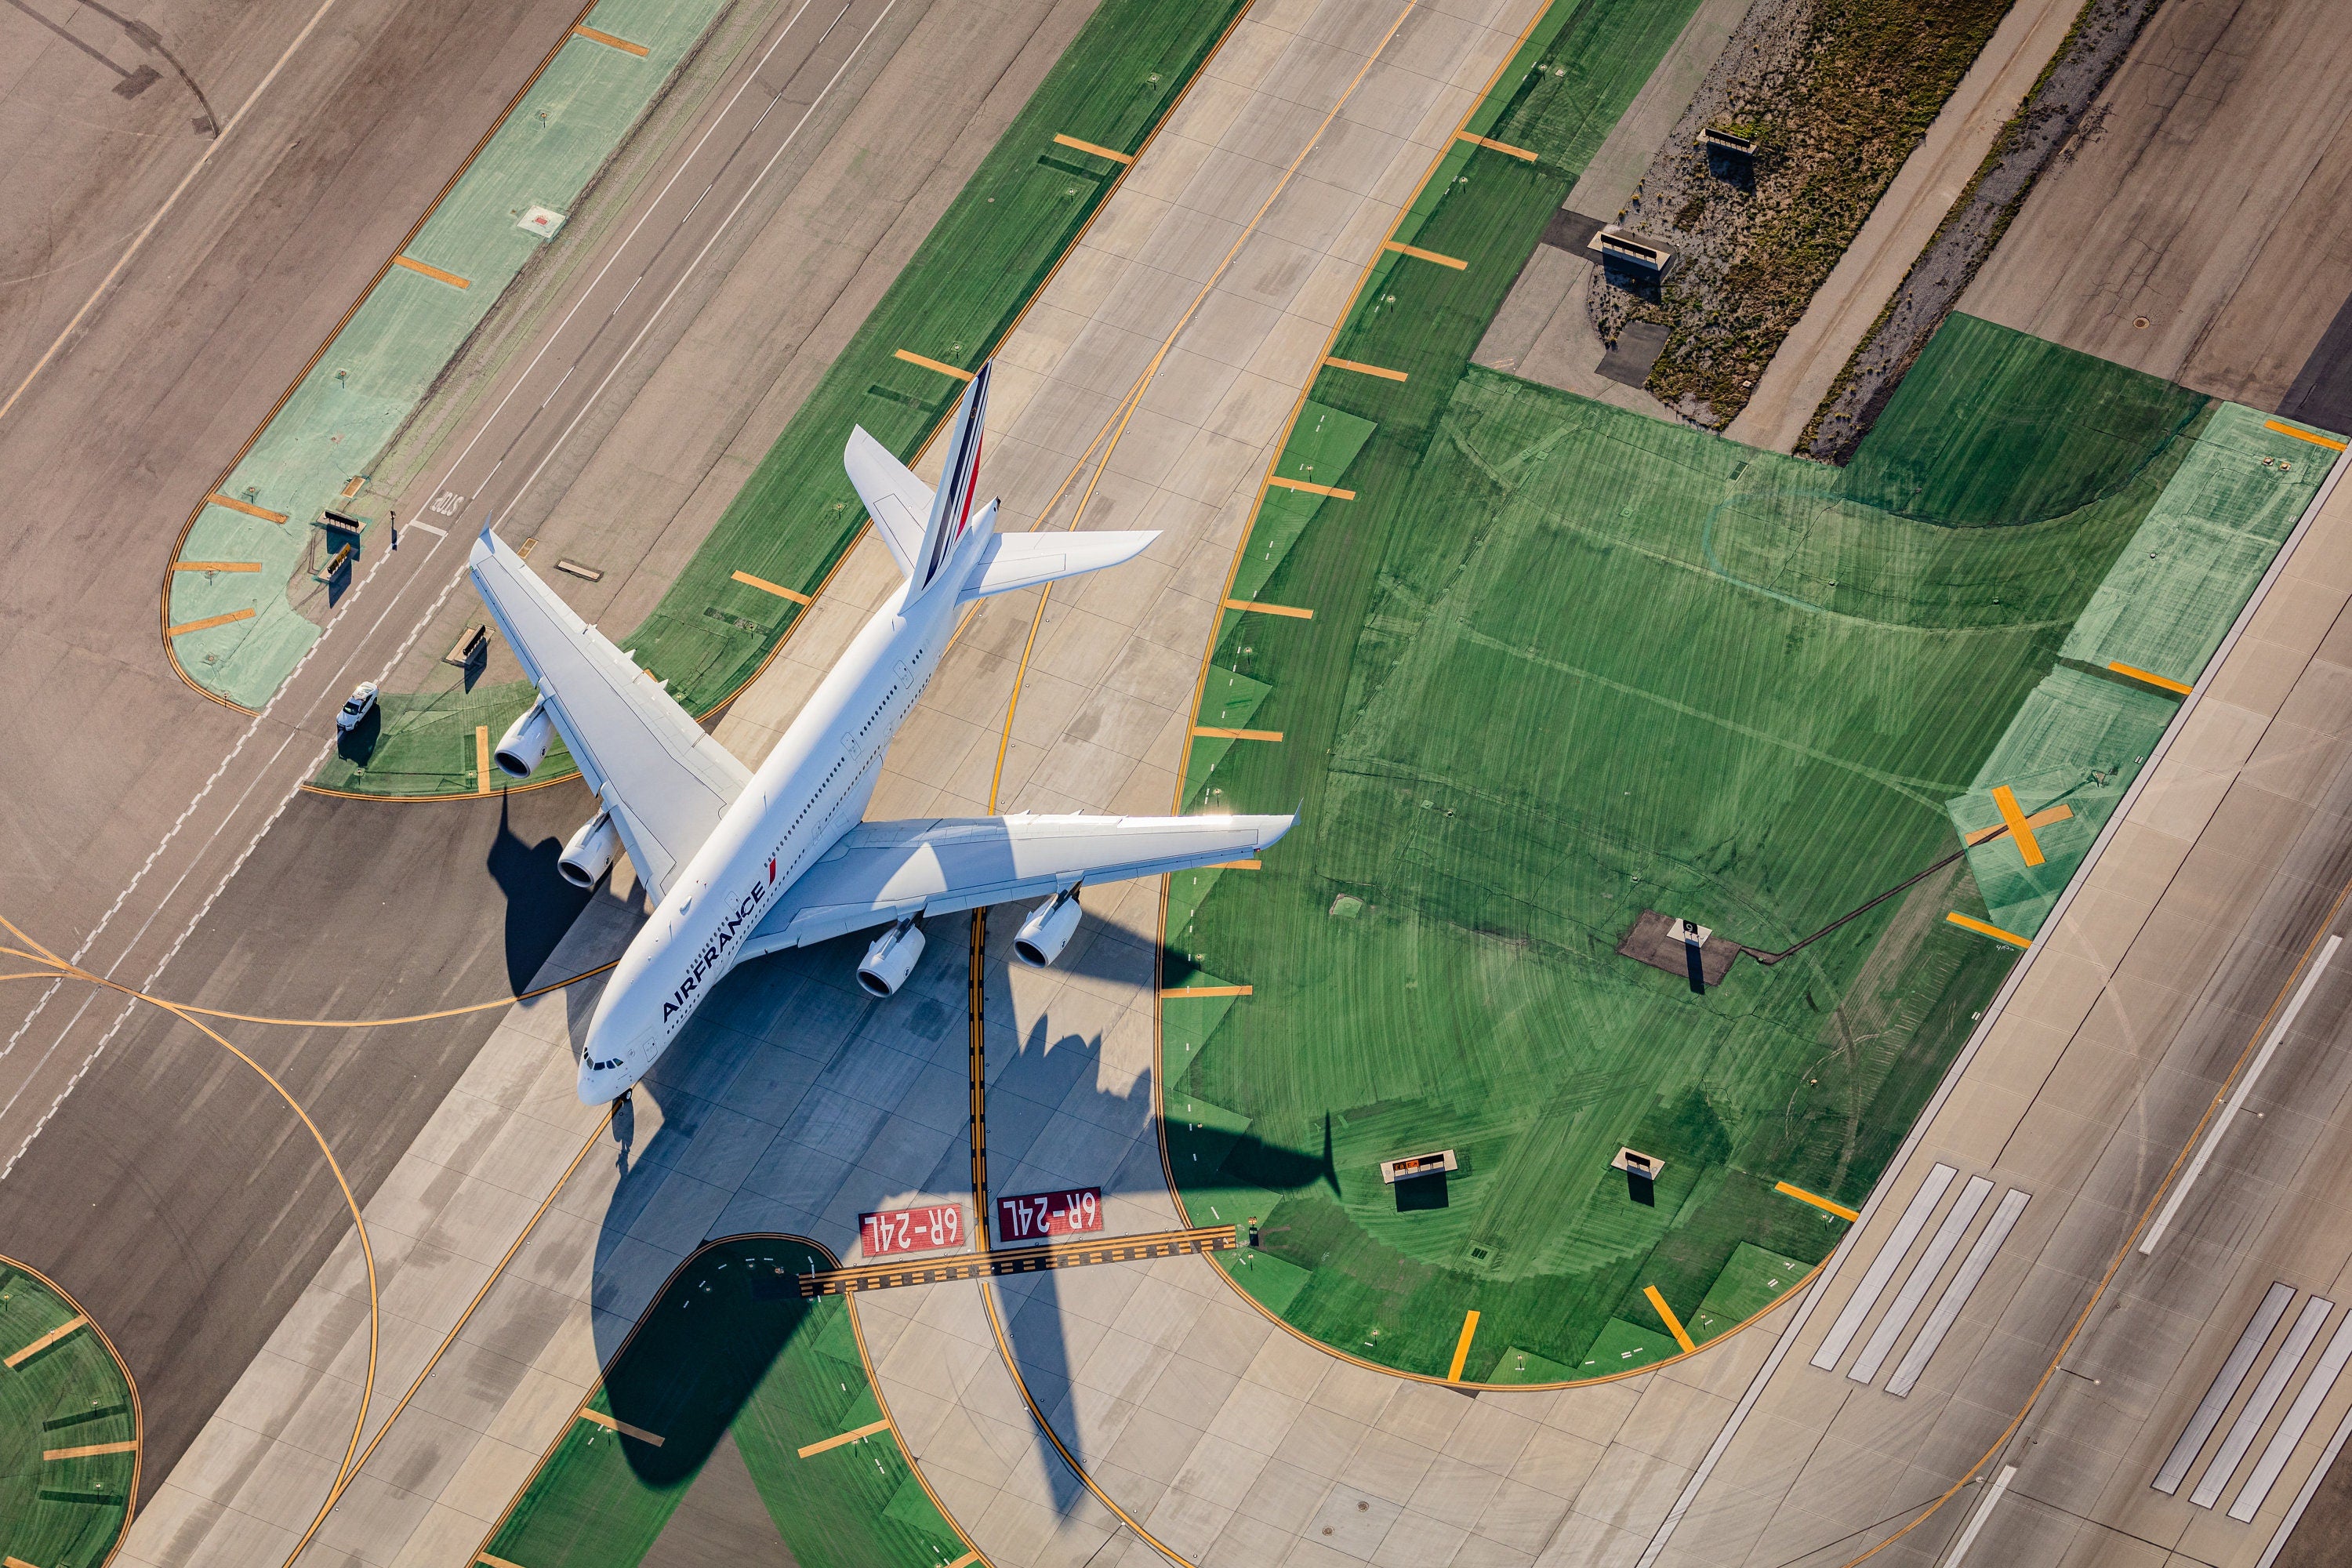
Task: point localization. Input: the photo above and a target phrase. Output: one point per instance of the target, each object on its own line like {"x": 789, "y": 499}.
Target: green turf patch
{"x": 797, "y": 515}
{"x": 1569, "y": 663}
{"x": 1751, "y": 1280}
{"x": 60, "y": 1507}
{"x": 730, "y": 1346}
{"x": 1622, "y": 1347}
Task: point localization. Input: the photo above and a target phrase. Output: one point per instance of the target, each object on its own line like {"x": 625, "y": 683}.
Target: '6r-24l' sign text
{"x": 911, "y": 1230}
{"x": 1037, "y": 1214}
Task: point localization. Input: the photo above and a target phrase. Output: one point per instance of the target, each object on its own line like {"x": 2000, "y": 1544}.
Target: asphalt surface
{"x": 158, "y": 837}
{"x": 2196, "y": 227}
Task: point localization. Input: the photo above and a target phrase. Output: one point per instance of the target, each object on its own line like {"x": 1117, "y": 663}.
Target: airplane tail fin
{"x": 951, "y": 507}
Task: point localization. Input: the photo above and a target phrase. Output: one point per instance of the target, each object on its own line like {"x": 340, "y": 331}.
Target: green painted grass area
{"x": 385, "y": 358}
{"x": 68, "y": 1512}
{"x": 958, "y": 297}
{"x": 716, "y": 1353}
{"x": 1567, "y": 664}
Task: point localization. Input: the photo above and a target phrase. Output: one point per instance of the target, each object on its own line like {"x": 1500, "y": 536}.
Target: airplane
{"x": 738, "y": 864}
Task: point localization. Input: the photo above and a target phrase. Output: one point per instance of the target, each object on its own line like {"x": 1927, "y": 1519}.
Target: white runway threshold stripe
{"x": 2259, "y": 1403}
{"x": 2236, "y": 1099}
{"x": 1955, "y": 1298}
{"x": 2224, "y": 1387}
{"x": 1922, "y": 1280}
{"x": 2297, "y": 1421}
{"x": 1882, "y": 1266}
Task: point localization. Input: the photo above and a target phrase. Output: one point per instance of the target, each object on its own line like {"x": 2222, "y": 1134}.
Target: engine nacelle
{"x": 589, "y": 852}
{"x": 891, "y": 959}
{"x": 525, "y": 743}
{"x": 1048, "y": 930}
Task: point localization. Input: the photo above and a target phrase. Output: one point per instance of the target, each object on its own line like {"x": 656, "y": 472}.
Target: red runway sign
{"x": 911, "y": 1230}
{"x": 1039, "y": 1215}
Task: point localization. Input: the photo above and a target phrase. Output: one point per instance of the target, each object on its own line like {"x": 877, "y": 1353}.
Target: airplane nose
{"x": 598, "y": 1087}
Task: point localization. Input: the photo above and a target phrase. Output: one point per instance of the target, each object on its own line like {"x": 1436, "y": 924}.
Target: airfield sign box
{"x": 1037, "y": 1216}
{"x": 927, "y": 1229}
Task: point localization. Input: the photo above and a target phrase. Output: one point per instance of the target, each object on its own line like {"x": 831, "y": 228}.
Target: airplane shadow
{"x": 1057, "y": 1115}
{"x": 541, "y": 905}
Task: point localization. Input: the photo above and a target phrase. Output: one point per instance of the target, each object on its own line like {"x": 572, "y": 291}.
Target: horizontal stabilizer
{"x": 899, "y": 502}
{"x": 1012, "y": 560}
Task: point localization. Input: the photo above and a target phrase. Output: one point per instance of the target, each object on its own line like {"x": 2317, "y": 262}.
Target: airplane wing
{"x": 666, "y": 782}
{"x": 884, "y": 871}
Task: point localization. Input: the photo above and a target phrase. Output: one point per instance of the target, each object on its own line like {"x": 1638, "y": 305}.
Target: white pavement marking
{"x": 2297, "y": 1420}
{"x": 1882, "y": 1266}
{"x": 147, "y": 230}
{"x": 1921, "y": 1280}
{"x": 1955, "y": 1295}
{"x": 2238, "y": 1098}
{"x": 1976, "y": 1521}
{"x": 2260, "y": 1403}
{"x": 2302, "y": 1498}
{"x": 2224, "y": 1387}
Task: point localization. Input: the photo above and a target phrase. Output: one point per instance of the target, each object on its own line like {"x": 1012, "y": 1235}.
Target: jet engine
{"x": 1048, "y": 930}
{"x": 590, "y": 853}
{"x": 891, "y": 959}
{"x": 525, "y": 743}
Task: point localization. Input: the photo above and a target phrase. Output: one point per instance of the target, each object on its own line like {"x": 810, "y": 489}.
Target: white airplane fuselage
{"x": 810, "y": 790}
